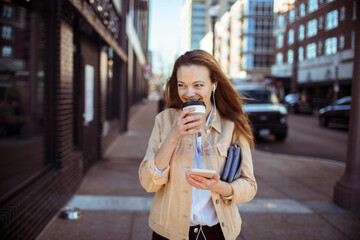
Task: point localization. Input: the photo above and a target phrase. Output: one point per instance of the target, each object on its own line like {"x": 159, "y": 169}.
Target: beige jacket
{"x": 171, "y": 207}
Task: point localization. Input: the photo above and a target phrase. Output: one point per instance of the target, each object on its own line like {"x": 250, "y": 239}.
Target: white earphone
{"x": 213, "y": 87}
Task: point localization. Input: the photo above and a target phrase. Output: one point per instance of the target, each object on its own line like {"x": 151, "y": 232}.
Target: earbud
{"x": 214, "y": 87}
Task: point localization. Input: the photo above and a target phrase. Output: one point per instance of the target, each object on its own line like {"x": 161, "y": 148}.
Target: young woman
{"x": 188, "y": 206}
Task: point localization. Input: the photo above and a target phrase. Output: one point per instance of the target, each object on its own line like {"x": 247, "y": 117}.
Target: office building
{"x": 243, "y": 39}
{"x": 193, "y": 24}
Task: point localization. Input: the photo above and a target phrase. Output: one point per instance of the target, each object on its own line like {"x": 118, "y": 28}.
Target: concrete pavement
{"x": 294, "y": 200}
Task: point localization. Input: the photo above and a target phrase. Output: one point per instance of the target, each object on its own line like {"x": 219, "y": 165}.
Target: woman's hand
{"x": 180, "y": 130}
{"x": 202, "y": 182}
{"x": 212, "y": 184}
{"x": 184, "y": 123}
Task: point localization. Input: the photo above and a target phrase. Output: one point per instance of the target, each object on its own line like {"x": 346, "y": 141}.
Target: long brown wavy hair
{"x": 228, "y": 101}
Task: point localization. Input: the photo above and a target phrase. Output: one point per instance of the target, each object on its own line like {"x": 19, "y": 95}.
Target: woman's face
{"x": 193, "y": 83}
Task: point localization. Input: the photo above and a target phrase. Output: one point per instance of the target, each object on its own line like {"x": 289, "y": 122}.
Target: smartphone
{"x": 203, "y": 172}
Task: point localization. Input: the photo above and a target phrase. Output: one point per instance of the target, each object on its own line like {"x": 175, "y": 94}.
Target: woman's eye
{"x": 180, "y": 85}
{"x": 198, "y": 85}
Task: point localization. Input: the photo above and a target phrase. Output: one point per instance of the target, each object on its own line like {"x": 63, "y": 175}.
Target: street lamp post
{"x": 336, "y": 87}
{"x": 214, "y": 13}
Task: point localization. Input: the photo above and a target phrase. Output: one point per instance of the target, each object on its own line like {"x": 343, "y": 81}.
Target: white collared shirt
{"x": 202, "y": 207}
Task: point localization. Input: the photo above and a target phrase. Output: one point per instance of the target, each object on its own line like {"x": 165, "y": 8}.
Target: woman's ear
{"x": 215, "y": 86}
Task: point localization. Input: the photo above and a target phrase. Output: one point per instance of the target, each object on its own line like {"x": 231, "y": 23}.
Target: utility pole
{"x": 347, "y": 189}
{"x": 214, "y": 14}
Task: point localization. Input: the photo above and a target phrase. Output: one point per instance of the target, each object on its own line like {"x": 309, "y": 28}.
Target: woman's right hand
{"x": 178, "y": 132}
{"x": 184, "y": 123}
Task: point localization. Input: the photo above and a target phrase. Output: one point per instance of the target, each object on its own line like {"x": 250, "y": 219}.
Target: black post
{"x": 347, "y": 189}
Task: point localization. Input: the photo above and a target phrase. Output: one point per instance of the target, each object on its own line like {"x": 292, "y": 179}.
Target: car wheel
{"x": 281, "y": 136}
{"x": 323, "y": 121}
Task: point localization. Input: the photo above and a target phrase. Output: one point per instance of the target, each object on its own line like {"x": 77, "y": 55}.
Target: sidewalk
{"x": 294, "y": 200}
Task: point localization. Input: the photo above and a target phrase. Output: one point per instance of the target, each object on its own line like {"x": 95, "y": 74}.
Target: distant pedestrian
{"x": 189, "y": 206}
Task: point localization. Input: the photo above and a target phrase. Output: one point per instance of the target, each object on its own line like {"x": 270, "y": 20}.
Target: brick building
{"x": 314, "y": 47}
{"x": 70, "y": 72}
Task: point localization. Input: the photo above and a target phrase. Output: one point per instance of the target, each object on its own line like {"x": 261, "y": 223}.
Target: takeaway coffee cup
{"x": 199, "y": 110}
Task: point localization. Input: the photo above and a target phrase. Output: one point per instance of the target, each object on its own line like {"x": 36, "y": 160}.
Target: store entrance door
{"x": 87, "y": 100}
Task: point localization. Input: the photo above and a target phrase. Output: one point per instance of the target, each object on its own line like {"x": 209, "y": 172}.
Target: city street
{"x": 294, "y": 198}
{"x": 307, "y": 138}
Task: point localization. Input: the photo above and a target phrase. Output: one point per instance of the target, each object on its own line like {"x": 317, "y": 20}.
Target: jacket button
{"x": 196, "y": 230}
{"x": 217, "y": 201}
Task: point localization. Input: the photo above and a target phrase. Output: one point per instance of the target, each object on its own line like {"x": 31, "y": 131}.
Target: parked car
{"x": 266, "y": 114}
{"x": 338, "y": 112}
{"x": 296, "y": 103}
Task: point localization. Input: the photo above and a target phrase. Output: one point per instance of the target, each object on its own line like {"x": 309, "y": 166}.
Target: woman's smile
{"x": 194, "y": 84}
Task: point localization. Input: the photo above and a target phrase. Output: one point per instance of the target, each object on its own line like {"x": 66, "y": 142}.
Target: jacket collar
{"x": 215, "y": 121}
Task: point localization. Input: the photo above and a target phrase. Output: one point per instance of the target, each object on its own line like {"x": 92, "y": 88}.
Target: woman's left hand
{"x": 202, "y": 182}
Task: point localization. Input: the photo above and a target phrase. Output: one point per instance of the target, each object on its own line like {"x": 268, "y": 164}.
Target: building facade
{"x": 70, "y": 71}
{"x": 314, "y": 47}
{"x": 243, "y": 39}
{"x": 193, "y": 24}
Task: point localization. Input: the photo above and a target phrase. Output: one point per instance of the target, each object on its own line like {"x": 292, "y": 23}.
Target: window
{"x": 7, "y": 11}
{"x": 290, "y": 56}
{"x": 262, "y": 61}
{"x": 263, "y": 26}
{"x": 263, "y": 43}
{"x": 280, "y": 41}
{"x": 332, "y": 20}
{"x": 301, "y": 32}
{"x": 281, "y": 21}
{"x": 6, "y": 51}
{"x": 354, "y": 10}
{"x": 341, "y": 42}
{"x": 22, "y": 128}
{"x": 311, "y": 28}
{"x": 311, "y": 51}
{"x": 279, "y": 58}
{"x": 301, "y": 54}
{"x": 292, "y": 15}
{"x": 331, "y": 46}
{"x": 291, "y": 36}
{"x": 249, "y": 61}
{"x": 312, "y": 5}
{"x": 6, "y": 32}
{"x": 342, "y": 13}
{"x": 302, "y": 11}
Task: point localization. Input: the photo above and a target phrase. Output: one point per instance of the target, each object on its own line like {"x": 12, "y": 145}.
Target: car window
{"x": 259, "y": 96}
{"x": 342, "y": 102}
{"x": 290, "y": 97}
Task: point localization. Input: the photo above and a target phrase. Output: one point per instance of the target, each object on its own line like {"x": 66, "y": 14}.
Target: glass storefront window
{"x": 22, "y": 49}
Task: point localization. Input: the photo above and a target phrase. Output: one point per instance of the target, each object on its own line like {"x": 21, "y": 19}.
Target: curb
{"x": 299, "y": 158}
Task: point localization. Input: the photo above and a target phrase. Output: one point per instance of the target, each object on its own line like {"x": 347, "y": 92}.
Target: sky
{"x": 164, "y": 39}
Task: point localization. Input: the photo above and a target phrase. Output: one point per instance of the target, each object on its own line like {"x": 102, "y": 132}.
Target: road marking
{"x": 283, "y": 156}
{"x": 133, "y": 203}
{"x": 138, "y": 133}
{"x": 261, "y": 205}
